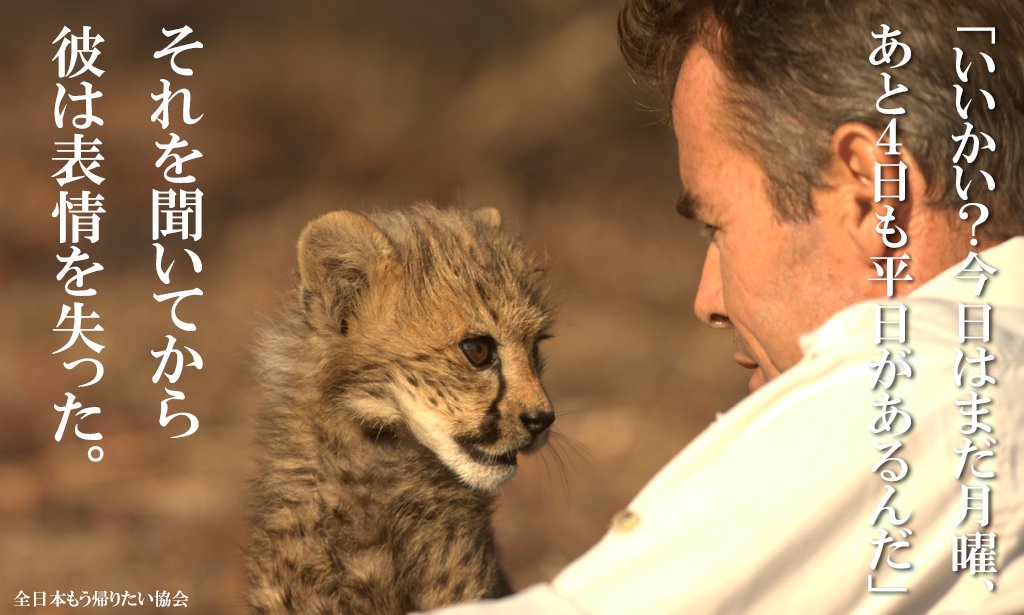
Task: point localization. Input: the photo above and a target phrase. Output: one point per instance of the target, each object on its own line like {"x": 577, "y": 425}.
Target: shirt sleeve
{"x": 781, "y": 506}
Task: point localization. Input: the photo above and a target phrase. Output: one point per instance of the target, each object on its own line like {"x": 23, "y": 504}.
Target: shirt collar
{"x": 1004, "y": 288}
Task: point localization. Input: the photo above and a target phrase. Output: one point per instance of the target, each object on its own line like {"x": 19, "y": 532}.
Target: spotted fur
{"x": 383, "y": 445}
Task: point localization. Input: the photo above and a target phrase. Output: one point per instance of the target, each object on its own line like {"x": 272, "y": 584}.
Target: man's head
{"x": 773, "y": 106}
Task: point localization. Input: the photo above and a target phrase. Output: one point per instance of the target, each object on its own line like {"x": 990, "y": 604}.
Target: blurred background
{"x": 524, "y": 105}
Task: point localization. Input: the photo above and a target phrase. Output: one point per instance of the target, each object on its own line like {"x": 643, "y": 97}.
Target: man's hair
{"x": 798, "y": 69}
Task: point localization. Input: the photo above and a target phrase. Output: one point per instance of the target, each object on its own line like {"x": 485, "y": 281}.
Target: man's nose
{"x": 708, "y": 304}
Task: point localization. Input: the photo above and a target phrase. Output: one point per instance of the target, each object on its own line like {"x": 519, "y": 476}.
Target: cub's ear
{"x": 338, "y": 254}
{"x": 488, "y": 215}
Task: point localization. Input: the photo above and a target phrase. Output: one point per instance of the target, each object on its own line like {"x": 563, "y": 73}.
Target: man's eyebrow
{"x": 689, "y": 205}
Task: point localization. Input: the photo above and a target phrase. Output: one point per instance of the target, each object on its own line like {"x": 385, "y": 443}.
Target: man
{"x": 851, "y": 480}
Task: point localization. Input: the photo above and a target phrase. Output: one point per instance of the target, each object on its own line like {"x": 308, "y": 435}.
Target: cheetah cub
{"x": 402, "y": 386}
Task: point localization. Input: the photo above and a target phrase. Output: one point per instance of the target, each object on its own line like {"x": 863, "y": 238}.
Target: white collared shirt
{"x": 769, "y": 510}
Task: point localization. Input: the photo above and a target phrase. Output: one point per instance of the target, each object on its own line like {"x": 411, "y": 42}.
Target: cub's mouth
{"x": 505, "y": 459}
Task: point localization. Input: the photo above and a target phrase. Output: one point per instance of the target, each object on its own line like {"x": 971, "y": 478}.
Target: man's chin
{"x": 757, "y": 380}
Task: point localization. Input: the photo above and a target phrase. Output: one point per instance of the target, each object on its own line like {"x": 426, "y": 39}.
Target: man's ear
{"x": 338, "y": 255}
{"x": 855, "y": 166}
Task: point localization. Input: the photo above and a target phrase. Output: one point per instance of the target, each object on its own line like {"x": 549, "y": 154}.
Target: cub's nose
{"x": 536, "y": 421}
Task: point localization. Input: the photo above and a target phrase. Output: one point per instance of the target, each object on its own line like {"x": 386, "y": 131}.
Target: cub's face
{"x": 433, "y": 320}
{"x": 476, "y": 400}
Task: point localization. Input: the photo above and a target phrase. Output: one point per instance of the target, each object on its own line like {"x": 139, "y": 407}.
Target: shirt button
{"x": 625, "y": 521}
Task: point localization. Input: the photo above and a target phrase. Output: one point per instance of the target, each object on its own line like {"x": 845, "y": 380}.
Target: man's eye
{"x": 480, "y": 351}
{"x": 708, "y": 231}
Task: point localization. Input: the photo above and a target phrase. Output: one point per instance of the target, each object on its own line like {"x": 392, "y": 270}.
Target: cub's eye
{"x": 480, "y": 351}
